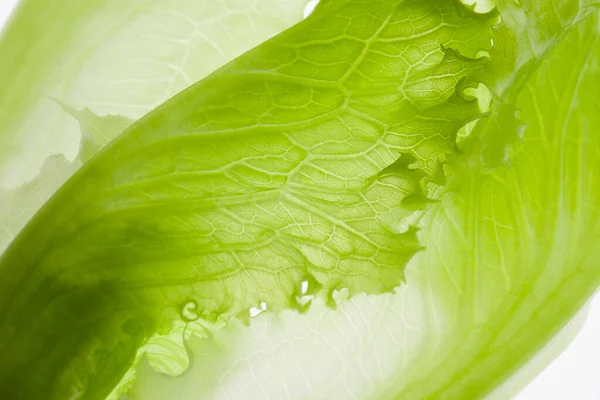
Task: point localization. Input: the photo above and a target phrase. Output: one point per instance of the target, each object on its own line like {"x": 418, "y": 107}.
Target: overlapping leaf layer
{"x": 317, "y": 162}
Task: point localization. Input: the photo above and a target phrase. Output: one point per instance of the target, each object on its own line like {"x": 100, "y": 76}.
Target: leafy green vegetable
{"x": 114, "y": 57}
{"x": 509, "y": 258}
{"x": 321, "y": 175}
{"x": 21, "y": 203}
{"x": 111, "y": 57}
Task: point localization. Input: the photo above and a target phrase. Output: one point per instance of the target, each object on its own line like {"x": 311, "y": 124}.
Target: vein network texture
{"x": 388, "y": 199}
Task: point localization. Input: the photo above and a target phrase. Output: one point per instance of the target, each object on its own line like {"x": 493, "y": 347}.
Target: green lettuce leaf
{"x": 290, "y": 164}
{"x": 119, "y": 58}
{"x": 511, "y": 254}
{"x": 113, "y": 57}
{"x": 409, "y": 185}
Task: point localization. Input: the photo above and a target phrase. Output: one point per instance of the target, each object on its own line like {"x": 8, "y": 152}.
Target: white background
{"x": 575, "y": 375}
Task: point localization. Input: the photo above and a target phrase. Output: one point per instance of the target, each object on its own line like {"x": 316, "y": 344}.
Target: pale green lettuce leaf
{"x": 20, "y": 204}
{"x": 96, "y": 131}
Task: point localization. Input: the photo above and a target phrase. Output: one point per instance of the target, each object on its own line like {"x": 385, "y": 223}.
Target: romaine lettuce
{"x": 408, "y": 188}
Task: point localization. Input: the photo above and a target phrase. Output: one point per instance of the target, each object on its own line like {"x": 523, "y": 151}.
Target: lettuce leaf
{"x": 321, "y": 176}
{"x": 114, "y": 59}
{"x": 509, "y": 257}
